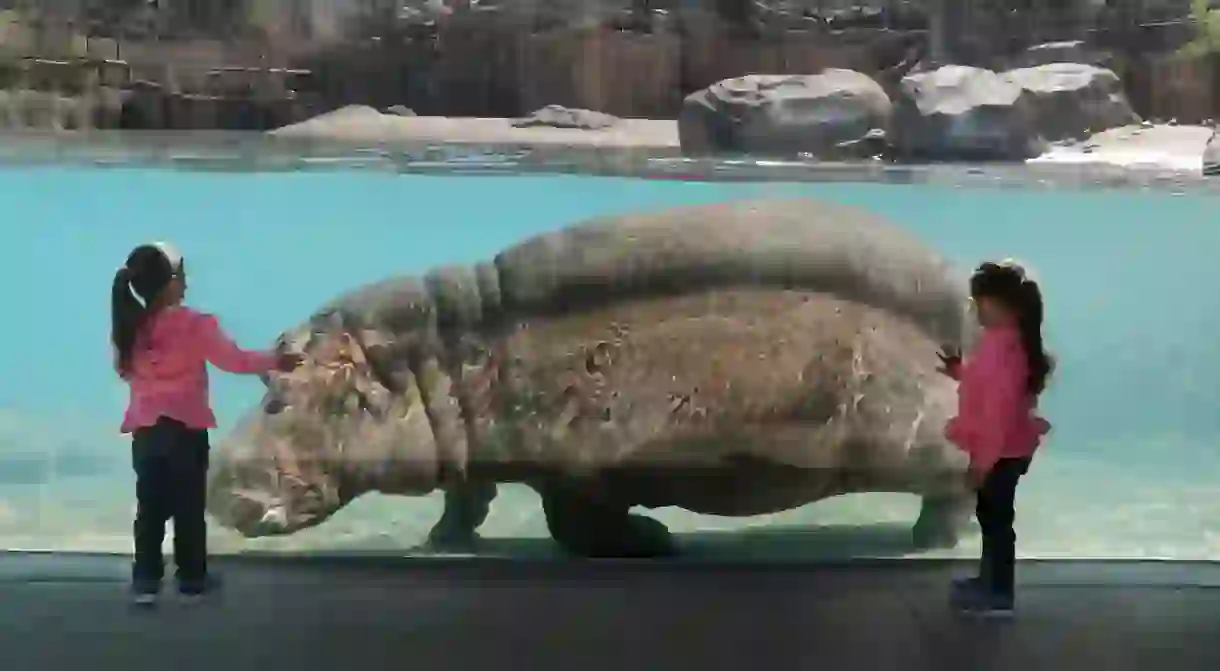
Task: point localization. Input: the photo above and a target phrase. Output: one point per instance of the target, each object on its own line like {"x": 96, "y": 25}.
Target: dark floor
{"x": 69, "y": 612}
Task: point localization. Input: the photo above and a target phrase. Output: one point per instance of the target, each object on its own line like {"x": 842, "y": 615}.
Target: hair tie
{"x": 126, "y": 274}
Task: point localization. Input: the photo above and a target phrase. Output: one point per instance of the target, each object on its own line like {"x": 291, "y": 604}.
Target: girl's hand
{"x": 286, "y": 362}
{"x": 950, "y": 360}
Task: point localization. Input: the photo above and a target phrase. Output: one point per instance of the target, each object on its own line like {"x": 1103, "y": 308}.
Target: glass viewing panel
{"x": 790, "y": 198}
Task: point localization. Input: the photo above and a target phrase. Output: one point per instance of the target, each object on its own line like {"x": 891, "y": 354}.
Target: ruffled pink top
{"x": 995, "y": 413}
{"x": 169, "y": 373}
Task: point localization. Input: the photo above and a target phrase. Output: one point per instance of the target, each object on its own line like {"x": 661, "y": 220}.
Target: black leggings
{"x": 171, "y": 464}
{"x": 996, "y": 515}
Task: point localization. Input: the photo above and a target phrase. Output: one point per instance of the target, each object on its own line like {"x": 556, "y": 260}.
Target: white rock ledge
{"x": 366, "y": 125}
{"x": 1140, "y": 147}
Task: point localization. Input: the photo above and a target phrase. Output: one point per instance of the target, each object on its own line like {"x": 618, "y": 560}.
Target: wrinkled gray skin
{"x": 731, "y": 359}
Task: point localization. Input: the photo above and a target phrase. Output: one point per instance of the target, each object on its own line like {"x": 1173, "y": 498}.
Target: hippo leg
{"x": 941, "y": 521}
{"x": 466, "y": 508}
{"x": 588, "y": 526}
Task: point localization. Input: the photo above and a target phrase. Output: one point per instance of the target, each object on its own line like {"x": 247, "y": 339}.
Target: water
{"x": 1132, "y": 469}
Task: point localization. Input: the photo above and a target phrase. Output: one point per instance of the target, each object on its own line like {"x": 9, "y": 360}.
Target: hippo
{"x": 731, "y": 359}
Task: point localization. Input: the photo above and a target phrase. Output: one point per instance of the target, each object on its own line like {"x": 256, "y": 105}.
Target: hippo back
{"x": 790, "y": 243}
{"x": 793, "y": 244}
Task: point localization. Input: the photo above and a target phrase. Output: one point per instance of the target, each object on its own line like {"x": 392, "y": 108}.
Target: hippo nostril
{"x": 273, "y": 407}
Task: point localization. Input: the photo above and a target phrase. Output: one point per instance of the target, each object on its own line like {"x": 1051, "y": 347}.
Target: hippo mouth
{"x": 255, "y": 514}
{"x": 261, "y": 486}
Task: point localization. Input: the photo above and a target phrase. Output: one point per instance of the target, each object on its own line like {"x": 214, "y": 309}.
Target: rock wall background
{"x": 257, "y": 64}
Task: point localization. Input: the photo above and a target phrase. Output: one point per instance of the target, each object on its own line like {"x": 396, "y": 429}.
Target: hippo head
{"x": 347, "y": 421}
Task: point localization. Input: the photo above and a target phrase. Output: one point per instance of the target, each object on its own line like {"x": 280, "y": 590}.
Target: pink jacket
{"x": 995, "y": 414}
{"x": 168, "y": 376}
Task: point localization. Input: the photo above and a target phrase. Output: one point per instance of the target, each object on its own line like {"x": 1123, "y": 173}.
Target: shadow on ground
{"x": 796, "y": 543}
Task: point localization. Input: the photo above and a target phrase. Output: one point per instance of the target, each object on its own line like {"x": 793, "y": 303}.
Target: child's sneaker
{"x": 972, "y": 598}
{"x": 145, "y": 593}
{"x": 192, "y": 591}
{"x": 960, "y": 585}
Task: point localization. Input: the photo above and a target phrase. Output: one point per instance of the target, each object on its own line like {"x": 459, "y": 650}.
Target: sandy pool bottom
{"x": 1067, "y": 508}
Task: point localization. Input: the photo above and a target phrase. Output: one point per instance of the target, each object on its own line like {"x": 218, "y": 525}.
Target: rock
{"x": 144, "y": 107}
{"x": 558, "y": 116}
{"x": 958, "y": 112}
{"x": 1074, "y": 100}
{"x": 1140, "y": 147}
{"x": 399, "y": 110}
{"x": 337, "y": 121}
{"x": 108, "y": 107}
{"x": 39, "y": 110}
{"x": 8, "y": 111}
{"x": 1211, "y": 155}
{"x": 1073, "y": 51}
{"x": 362, "y": 125}
{"x": 826, "y": 115}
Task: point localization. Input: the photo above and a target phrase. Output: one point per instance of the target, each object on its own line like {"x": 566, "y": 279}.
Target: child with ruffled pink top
{"x": 996, "y": 422}
{"x": 161, "y": 350}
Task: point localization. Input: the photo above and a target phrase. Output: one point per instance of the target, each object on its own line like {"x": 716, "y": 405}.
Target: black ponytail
{"x": 1029, "y": 324}
{"x": 126, "y": 316}
{"x": 146, "y": 274}
{"x": 1008, "y": 283}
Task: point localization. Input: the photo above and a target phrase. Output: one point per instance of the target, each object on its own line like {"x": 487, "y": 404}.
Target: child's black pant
{"x": 171, "y": 464}
{"x": 997, "y": 567}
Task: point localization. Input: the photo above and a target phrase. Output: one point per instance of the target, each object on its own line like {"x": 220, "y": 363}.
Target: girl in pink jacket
{"x": 162, "y": 349}
{"x": 996, "y": 424}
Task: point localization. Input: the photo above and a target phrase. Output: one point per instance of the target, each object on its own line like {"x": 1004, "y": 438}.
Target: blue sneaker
{"x": 970, "y": 597}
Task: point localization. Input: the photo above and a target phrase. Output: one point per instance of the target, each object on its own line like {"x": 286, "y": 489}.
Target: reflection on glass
{"x": 411, "y": 137}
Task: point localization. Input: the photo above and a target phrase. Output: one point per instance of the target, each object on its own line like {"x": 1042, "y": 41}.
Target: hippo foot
{"x": 466, "y": 508}
{"x": 596, "y": 530}
{"x": 940, "y": 523}
{"x": 452, "y": 540}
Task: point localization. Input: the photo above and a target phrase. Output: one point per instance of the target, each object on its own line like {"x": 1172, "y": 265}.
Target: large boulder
{"x": 957, "y": 112}
{"x": 1074, "y": 100}
{"x": 830, "y": 114}
{"x": 1211, "y": 156}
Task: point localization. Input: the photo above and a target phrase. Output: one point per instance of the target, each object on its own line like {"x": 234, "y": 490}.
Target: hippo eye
{"x": 597, "y": 359}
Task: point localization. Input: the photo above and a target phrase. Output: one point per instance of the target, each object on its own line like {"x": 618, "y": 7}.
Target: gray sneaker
{"x": 145, "y": 594}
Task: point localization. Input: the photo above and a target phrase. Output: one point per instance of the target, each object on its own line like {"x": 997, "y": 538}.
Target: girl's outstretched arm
{"x": 220, "y": 350}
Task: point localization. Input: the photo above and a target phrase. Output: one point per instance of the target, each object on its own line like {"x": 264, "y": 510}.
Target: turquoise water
{"x": 1132, "y": 470}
